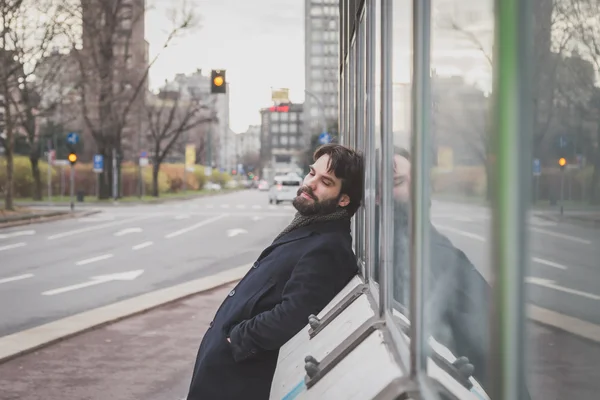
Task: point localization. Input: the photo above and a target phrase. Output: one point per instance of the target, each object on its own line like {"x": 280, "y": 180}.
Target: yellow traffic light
{"x": 562, "y": 161}
{"x": 218, "y": 81}
{"x": 72, "y": 158}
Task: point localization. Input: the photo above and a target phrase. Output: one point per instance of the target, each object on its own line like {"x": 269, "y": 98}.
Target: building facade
{"x": 282, "y": 140}
{"x": 321, "y": 65}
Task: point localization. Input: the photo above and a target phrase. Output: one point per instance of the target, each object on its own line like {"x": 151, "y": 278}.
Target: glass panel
{"x": 563, "y": 281}
{"x": 359, "y": 127}
{"x": 401, "y": 109}
{"x": 457, "y": 296}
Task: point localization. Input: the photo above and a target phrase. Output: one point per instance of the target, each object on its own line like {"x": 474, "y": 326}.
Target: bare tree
{"x": 110, "y": 87}
{"x": 38, "y": 32}
{"x": 9, "y": 75}
{"x": 168, "y": 118}
{"x": 582, "y": 16}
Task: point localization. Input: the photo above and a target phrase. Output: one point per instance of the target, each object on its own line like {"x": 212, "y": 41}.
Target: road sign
{"x": 72, "y": 138}
{"x": 98, "y": 163}
{"x": 144, "y": 162}
{"x": 324, "y": 138}
{"x": 144, "y": 154}
{"x": 537, "y": 167}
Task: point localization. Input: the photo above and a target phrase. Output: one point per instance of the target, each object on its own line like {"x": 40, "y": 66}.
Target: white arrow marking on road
{"x": 552, "y": 285}
{"x": 142, "y": 245}
{"x": 94, "y": 259}
{"x": 241, "y": 206}
{"x": 128, "y": 230}
{"x": 16, "y": 234}
{"x": 97, "y": 227}
{"x": 256, "y": 218}
{"x": 12, "y": 246}
{"x": 548, "y": 263}
{"x": 15, "y": 278}
{"x": 96, "y": 280}
{"x": 235, "y": 232}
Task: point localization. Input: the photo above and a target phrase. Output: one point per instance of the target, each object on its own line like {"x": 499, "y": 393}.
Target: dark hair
{"x": 348, "y": 166}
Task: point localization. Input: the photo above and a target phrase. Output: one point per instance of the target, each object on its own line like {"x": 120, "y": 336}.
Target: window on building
{"x": 274, "y": 141}
{"x": 316, "y": 61}
{"x": 316, "y": 73}
{"x": 293, "y": 128}
{"x": 317, "y": 48}
{"x": 293, "y": 140}
{"x": 317, "y": 23}
{"x": 275, "y": 128}
{"x": 284, "y": 128}
{"x": 317, "y": 86}
{"x": 317, "y": 36}
{"x": 294, "y": 116}
{"x": 316, "y": 11}
{"x": 274, "y": 116}
{"x": 284, "y": 140}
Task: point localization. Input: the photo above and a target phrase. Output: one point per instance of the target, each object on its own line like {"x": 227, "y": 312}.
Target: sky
{"x": 259, "y": 42}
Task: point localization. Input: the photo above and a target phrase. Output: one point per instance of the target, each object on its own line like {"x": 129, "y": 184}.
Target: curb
{"x": 575, "y": 326}
{"x": 20, "y": 343}
{"x": 52, "y": 216}
{"x": 159, "y": 200}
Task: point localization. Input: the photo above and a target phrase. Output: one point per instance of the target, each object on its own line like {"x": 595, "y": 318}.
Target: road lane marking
{"x": 96, "y": 280}
{"x": 548, "y": 263}
{"x": 241, "y": 206}
{"x": 142, "y": 245}
{"x": 128, "y": 231}
{"x": 235, "y": 232}
{"x": 15, "y": 278}
{"x": 460, "y": 232}
{"x": 552, "y": 285}
{"x": 561, "y": 236}
{"x": 97, "y": 227}
{"x": 195, "y": 226}
{"x": 16, "y": 234}
{"x": 567, "y": 323}
{"x": 224, "y": 205}
{"x": 12, "y": 246}
{"x": 94, "y": 259}
{"x": 256, "y": 207}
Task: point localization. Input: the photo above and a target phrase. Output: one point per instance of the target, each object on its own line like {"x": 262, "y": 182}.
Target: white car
{"x": 284, "y": 188}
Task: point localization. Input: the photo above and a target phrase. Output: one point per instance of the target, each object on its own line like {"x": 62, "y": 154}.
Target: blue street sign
{"x": 72, "y": 138}
{"x": 537, "y": 167}
{"x": 98, "y": 162}
{"x": 324, "y": 138}
{"x": 562, "y": 142}
{"x": 144, "y": 154}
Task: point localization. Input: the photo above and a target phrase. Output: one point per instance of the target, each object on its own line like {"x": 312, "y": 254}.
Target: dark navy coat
{"x": 298, "y": 275}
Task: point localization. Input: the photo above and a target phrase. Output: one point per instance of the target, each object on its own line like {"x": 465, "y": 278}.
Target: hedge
{"x": 170, "y": 178}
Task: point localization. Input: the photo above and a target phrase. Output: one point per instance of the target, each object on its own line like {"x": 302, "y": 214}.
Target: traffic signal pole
{"x": 562, "y": 190}
{"x": 72, "y": 185}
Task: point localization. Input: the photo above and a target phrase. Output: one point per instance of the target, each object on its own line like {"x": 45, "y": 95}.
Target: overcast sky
{"x": 259, "y": 42}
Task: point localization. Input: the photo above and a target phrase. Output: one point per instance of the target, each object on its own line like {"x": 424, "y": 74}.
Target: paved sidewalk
{"x": 149, "y": 356}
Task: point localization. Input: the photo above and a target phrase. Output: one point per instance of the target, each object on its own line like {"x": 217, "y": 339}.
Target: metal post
{"x": 322, "y": 106}
{"x": 209, "y": 149}
{"x": 72, "y": 187}
{"x": 562, "y": 190}
{"x": 386, "y": 263}
{"x": 512, "y": 150}
{"x": 419, "y": 221}
{"x": 49, "y": 177}
{"x": 114, "y": 164}
{"x": 370, "y": 162}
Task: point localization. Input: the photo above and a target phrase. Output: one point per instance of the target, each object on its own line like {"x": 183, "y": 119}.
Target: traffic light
{"x": 72, "y": 157}
{"x": 218, "y": 83}
{"x": 562, "y": 162}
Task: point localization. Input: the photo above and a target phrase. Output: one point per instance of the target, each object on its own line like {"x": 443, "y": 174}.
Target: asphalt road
{"x": 52, "y": 270}
{"x": 564, "y": 273}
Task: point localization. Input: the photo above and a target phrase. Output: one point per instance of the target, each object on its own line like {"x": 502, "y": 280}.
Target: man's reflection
{"x": 456, "y": 297}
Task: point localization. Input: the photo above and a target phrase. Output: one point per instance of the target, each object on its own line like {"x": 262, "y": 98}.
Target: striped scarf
{"x": 304, "y": 220}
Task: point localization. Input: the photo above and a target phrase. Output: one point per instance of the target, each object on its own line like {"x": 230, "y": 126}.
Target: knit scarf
{"x": 303, "y": 220}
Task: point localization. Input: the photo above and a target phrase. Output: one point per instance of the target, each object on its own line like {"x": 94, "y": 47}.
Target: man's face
{"x": 321, "y": 190}
{"x": 401, "y": 180}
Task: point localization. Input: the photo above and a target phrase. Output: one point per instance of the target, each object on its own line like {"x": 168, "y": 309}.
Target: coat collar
{"x": 342, "y": 225}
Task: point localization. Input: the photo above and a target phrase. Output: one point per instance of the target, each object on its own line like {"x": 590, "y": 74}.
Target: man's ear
{"x": 344, "y": 200}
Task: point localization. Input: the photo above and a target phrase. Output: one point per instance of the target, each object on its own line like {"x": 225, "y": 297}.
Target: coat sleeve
{"x": 317, "y": 277}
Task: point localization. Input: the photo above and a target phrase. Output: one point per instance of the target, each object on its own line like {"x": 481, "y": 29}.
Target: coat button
{"x": 232, "y": 292}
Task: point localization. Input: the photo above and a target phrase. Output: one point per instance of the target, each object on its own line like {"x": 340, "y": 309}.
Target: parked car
{"x": 263, "y": 185}
{"x": 212, "y": 186}
{"x": 284, "y": 188}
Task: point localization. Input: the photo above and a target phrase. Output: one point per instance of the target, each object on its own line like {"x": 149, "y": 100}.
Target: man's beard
{"x": 316, "y": 207}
